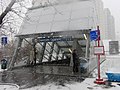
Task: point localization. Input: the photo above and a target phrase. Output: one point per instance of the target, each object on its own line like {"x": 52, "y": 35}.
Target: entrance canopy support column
{"x": 51, "y": 51}
{"x": 42, "y": 52}
{"x": 19, "y": 42}
{"x": 87, "y": 46}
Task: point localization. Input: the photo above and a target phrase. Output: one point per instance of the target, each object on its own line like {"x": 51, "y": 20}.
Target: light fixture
{"x": 70, "y": 50}
{"x": 85, "y": 36}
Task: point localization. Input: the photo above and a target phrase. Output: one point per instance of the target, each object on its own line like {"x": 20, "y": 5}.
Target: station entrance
{"x": 51, "y": 47}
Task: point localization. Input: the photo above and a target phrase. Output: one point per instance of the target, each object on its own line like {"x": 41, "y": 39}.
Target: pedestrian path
{"x": 87, "y": 84}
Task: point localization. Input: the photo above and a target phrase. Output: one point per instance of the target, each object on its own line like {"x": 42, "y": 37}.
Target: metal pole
{"x": 99, "y": 80}
{"x": 98, "y": 54}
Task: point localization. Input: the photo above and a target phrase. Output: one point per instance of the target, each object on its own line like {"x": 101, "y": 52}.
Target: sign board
{"x": 94, "y": 35}
{"x": 4, "y": 40}
{"x": 54, "y": 39}
{"x": 99, "y": 50}
{"x": 113, "y": 47}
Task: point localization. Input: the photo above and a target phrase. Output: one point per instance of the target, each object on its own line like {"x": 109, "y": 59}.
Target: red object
{"x": 99, "y": 80}
{"x": 98, "y": 33}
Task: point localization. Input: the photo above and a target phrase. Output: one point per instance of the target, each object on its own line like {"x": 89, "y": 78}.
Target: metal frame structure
{"x": 55, "y": 49}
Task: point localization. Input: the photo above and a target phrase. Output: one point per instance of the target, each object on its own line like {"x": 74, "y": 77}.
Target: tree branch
{"x": 8, "y": 8}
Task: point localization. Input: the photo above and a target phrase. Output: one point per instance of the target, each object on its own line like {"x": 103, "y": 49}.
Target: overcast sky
{"x": 114, "y": 6}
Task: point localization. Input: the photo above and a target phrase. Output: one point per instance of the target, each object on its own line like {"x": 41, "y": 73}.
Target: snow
{"x": 8, "y": 86}
{"x": 113, "y": 70}
{"x": 110, "y": 65}
{"x": 85, "y": 85}
{"x": 88, "y": 83}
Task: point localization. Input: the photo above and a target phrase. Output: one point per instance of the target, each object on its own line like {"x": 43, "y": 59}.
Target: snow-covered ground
{"x": 88, "y": 84}
{"x": 8, "y": 86}
{"x": 111, "y": 64}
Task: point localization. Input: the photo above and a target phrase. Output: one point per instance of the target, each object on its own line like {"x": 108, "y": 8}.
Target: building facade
{"x": 62, "y": 15}
{"x": 109, "y": 25}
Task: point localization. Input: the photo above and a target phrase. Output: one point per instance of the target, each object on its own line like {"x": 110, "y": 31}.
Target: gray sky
{"x": 114, "y": 6}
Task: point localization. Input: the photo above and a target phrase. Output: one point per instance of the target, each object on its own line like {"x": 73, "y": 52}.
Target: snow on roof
{"x": 73, "y": 16}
